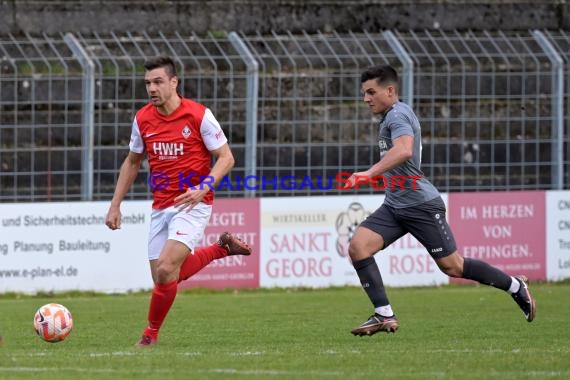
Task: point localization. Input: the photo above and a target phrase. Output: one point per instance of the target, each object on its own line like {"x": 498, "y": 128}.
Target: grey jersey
{"x": 401, "y": 120}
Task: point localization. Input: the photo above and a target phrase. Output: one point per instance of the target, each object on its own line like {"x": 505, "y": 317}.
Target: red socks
{"x": 201, "y": 257}
{"x": 162, "y": 298}
{"x": 163, "y": 294}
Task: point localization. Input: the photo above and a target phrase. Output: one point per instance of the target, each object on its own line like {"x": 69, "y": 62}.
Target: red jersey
{"x": 178, "y": 148}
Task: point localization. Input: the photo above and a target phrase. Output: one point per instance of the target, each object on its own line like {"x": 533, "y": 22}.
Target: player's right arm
{"x": 127, "y": 175}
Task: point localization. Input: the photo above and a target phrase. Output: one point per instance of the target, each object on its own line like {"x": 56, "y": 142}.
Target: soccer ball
{"x": 53, "y": 322}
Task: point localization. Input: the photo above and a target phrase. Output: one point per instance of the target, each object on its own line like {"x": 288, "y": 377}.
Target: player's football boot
{"x": 377, "y": 323}
{"x": 234, "y": 245}
{"x": 148, "y": 338}
{"x": 524, "y": 299}
{"x": 146, "y": 341}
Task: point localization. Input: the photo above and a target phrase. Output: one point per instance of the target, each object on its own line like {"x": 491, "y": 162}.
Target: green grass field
{"x": 455, "y": 332}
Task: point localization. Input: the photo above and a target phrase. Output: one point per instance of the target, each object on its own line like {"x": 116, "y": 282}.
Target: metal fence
{"x": 491, "y": 106}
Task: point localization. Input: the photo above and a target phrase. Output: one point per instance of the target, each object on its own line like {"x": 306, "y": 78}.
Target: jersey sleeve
{"x": 399, "y": 125}
{"x": 211, "y": 132}
{"x": 137, "y": 144}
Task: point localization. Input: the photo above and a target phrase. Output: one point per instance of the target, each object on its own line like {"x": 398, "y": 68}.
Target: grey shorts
{"x": 426, "y": 222}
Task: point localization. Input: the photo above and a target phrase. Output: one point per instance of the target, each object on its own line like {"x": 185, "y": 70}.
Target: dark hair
{"x": 163, "y": 61}
{"x": 384, "y": 74}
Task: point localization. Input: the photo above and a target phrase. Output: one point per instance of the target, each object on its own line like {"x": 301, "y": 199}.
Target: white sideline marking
{"x": 247, "y": 353}
{"x": 545, "y": 373}
{"x": 325, "y": 352}
{"x": 190, "y": 353}
{"x": 270, "y": 372}
{"x": 42, "y": 369}
{"x": 117, "y": 353}
{"x": 213, "y": 370}
{"x": 76, "y": 369}
{"x": 496, "y": 351}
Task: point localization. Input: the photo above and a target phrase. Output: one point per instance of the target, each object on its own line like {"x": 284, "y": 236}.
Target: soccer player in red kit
{"x": 180, "y": 137}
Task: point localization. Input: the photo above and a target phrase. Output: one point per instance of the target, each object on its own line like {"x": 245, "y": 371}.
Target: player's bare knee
{"x": 357, "y": 251}
{"x": 451, "y": 265}
{"x": 353, "y": 250}
{"x": 164, "y": 272}
{"x": 452, "y": 270}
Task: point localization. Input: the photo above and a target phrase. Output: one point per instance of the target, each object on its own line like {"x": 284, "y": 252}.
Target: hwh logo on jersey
{"x": 163, "y": 149}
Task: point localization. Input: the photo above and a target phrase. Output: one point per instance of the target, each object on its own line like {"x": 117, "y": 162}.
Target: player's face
{"x": 378, "y": 97}
{"x": 159, "y": 86}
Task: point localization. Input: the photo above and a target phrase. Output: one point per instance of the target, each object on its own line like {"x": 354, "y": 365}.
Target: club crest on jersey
{"x": 186, "y": 132}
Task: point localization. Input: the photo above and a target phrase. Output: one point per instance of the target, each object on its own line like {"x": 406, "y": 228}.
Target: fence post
{"x": 87, "y": 115}
{"x": 557, "y": 154}
{"x": 251, "y": 105}
{"x": 408, "y": 65}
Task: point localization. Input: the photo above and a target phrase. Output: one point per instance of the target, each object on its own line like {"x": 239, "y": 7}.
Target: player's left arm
{"x": 402, "y": 150}
{"x": 224, "y": 163}
{"x": 217, "y": 144}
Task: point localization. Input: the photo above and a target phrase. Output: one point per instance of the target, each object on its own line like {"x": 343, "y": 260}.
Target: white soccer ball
{"x": 53, "y": 322}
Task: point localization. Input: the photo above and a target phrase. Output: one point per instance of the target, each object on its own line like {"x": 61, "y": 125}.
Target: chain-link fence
{"x": 491, "y": 107}
{"x": 487, "y": 105}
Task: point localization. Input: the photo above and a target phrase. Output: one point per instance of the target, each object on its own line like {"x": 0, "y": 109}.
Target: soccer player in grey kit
{"x": 416, "y": 207}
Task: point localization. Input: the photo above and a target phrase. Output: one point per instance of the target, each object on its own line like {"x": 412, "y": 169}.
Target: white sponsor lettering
{"x": 503, "y": 251}
{"x": 514, "y": 211}
{"x": 228, "y": 219}
{"x": 302, "y": 242}
{"x": 168, "y": 149}
{"x": 406, "y": 264}
{"x": 299, "y": 267}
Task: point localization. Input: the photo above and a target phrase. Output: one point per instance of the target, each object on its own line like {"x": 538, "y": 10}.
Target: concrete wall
{"x": 250, "y": 16}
